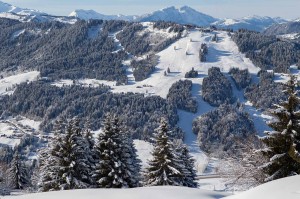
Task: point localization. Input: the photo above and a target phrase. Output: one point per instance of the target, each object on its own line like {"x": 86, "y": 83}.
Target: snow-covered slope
{"x": 91, "y": 14}
{"x": 183, "y": 15}
{"x": 4, "y": 7}
{"x": 288, "y": 188}
{"x": 223, "y": 54}
{"x": 255, "y": 23}
{"x": 7, "y": 83}
{"x": 284, "y": 28}
{"x": 136, "y": 193}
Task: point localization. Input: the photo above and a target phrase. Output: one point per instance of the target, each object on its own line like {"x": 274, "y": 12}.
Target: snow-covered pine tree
{"x": 4, "y": 180}
{"x": 294, "y": 100}
{"x": 130, "y": 160}
{"x": 18, "y": 173}
{"x": 118, "y": 164}
{"x": 64, "y": 165}
{"x": 283, "y": 143}
{"x": 50, "y": 159}
{"x": 110, "y": 171}
{"x": 73, "y": 167}
{"x": 187, "y": 164}
{"x": 164, "y": 168}
{"x": 35, "y": 179}
{"x": 88, "y": 135}
{"x": 89, "y": 151}
{"x": 189, "y": 172}
{"x": 82, "y": 153}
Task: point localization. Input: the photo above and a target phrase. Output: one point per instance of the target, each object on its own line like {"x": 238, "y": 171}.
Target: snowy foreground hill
{"x": 137, "y": 193}
{"x": 284, "y": 188}
{"x": 288, "y": 188}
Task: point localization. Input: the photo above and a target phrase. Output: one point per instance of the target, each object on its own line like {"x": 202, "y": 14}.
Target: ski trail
{"x": 259, "y": 119}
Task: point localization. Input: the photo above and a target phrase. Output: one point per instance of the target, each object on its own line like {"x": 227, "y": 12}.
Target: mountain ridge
{"x": 255, "y": 23}
{"x": 181, "y": 15}
{"x": 8, "y": 8}
{"x": 91, "y": 14}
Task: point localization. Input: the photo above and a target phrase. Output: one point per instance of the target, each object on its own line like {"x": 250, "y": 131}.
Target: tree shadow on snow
{"x": 215, "y": 55}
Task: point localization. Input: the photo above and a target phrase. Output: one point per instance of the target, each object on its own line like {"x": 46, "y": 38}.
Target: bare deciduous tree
{"x": 243, "y": 171}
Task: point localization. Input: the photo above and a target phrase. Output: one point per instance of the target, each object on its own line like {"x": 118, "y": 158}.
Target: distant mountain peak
{"x": 85, "y": 14}
{"x": 252, "y": 22}
{"x": 7, "y": 8}
{"x": 182, "y": 15}
{"x": 188, "y": 8}
{"x": 26, "y": 15}
{"x": 168, "y": 8}
{"x": 92, "y": 14}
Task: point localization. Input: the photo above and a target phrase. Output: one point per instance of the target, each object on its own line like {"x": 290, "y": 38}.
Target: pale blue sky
{"x": 218, "y": 8}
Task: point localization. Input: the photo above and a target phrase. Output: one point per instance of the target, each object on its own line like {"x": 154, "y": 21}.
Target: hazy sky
{"x": 218, "y": 8}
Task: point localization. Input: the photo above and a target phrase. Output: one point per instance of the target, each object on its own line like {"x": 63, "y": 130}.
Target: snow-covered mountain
{"x": 187, "y": 15}
{"x": 256, "y": 23}
{"x": 7, "y": 8}
{"x": 91, "y": 14}
{"x": 25, "y": 15}
{"x": 183, "y": 15}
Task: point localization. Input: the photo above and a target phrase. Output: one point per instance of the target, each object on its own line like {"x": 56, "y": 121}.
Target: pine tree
{"x": 73, "y": 167}
{"x": 4, "y": 179}
{"x": 64, "y": 165}
{"x": 89, "y": 136}
{"x": 89, "y": 151}
{"x": 50, "y": 159}
{"x": 18, "y": 173}
{"x": 189, "y": 172}
{"x": 164, "y": 168}
{"x": 110, "y": 170}
{"x": 283, "y": 143}
{"x": 130, "y": 160}
{"x": 82, "y": 153}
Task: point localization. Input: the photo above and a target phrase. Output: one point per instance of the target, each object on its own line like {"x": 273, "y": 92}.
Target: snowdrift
{"x": 288, "y": 188}
{"x": 137, "y": 193}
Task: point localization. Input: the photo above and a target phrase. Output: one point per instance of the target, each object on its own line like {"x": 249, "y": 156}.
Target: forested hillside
{"x": 268, "y": 52}
{"x": 86, "y": 49}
